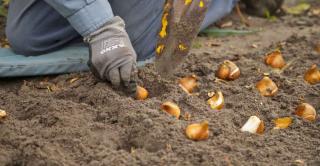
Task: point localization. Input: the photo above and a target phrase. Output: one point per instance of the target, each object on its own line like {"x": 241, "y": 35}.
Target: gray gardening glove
{"x": 112, "y": 56}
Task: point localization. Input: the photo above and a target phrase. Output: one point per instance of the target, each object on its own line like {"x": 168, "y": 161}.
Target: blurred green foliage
{"x": 4, "y": 7}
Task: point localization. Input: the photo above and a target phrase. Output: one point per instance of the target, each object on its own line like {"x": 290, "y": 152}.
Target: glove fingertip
{"x": 114, "y": 77}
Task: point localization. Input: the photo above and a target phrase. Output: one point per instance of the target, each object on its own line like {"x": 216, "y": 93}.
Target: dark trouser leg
{"x": 33, "y": 28}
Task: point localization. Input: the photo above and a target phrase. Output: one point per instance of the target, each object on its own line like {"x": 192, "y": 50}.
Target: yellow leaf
{"x": 163, "y": 32}
{"x": 182, "y": 47}
{"x": 298, "y": 9}
{"x": 201, "y": 4}
{"x": 159, "y": 49}
{"x": 6, "y": 2}
{"x": 187, "y": 2}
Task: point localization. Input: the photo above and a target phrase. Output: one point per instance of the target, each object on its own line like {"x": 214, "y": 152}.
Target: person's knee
{"x": 21, "y": 42}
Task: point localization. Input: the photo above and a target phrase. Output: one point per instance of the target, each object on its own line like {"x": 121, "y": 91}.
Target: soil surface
{"x": 74, "y": 119}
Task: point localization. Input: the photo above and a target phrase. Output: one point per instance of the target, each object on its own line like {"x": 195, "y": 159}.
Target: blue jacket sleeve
{"x": 85, "y": 16}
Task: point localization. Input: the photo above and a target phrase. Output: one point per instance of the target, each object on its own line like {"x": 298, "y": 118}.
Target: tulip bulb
{"x": 3, "y": 114}
{"x": 253, "y": 125}
{"x": 198, "y": 132}
{"x": 171, "y": 108}
{"x": 216, "y": 102}
{"x": 228, "y": 71}
{"x": 267, "y": 87}
{"x": 275, "y": 59}
{"x": 141, "y": 93}
{"x": 188, "y": 83}
{"x": 312, "y": 76}
{"x": 306, "y": 111}
{"x": 282, "y": 123}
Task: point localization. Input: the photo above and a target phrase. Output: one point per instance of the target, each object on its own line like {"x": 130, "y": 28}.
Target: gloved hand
{"x": 112, "y": 56}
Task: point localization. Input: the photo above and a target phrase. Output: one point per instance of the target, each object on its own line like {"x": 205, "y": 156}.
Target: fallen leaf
{"x": 269, "y": 16}
{"x": 187, "y": 116}
{"x": 5, "y": 2}
{"x": 4, "y": 43}
{"x": 317, "y": 47}
{"x": 169, "y": 147}
{"x": 315, "y": 12}
{"x": 43, "y": 85}
{"x": 132, "y": 150}
{"x": 53, "y": 88}
{"x": 282, "y": 123}
{"x": 196, "y": 45}
{"x": 226, "y": 24}
{"x": 210, "y": 44}
{"x": 3, "y": 114}
{"x": 73, "y": 80}
{"x": 298, "y": 9}
{"x": 3, "y": 11}
{"x": 254, "y": 46}
{"x": 243, "y": 19}
{"x": 299, "y": 162}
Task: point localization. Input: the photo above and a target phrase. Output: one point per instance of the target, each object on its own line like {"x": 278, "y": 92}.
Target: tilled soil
{"x": 76, "y": 120}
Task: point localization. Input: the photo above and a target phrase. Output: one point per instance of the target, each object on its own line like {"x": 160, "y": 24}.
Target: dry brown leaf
{"x": 210, "y": 44}
{"x": 315, "y": 12}
{"x": 226, "y": 24}
{"x": 3, "y": 114}
{"x": 53, "y": 88}
{"x": 71, "y": 81}
{"x": 169, "y": 147}
{"x": 254, "y": 46}
{"x": 317, "y": 47}
{"x": 299, "y": 162}
{"x": 187, "y": 116}
{"x": 4, "y": 43}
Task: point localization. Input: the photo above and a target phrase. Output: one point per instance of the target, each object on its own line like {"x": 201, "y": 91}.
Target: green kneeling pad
{"x": 67, "y": 60}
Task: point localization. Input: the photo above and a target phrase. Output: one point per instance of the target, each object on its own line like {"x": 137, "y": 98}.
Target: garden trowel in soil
{"x": 181, "y": 22}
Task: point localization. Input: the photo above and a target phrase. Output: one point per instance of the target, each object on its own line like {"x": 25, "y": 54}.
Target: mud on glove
{"x": 112, "y": 56}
